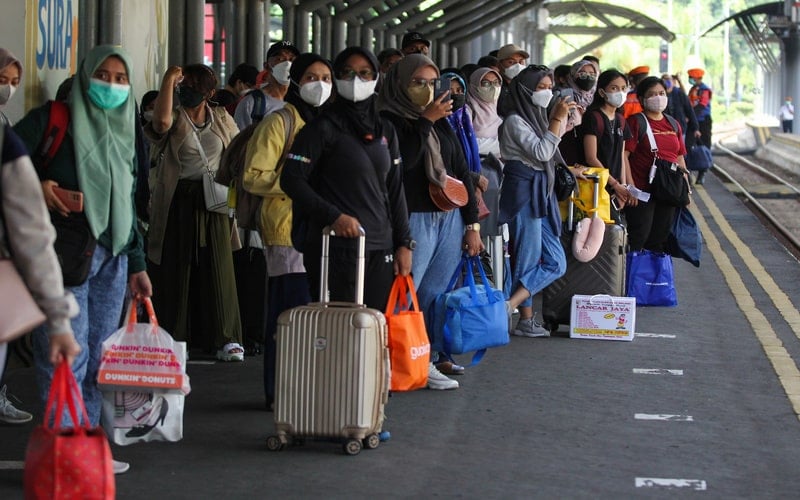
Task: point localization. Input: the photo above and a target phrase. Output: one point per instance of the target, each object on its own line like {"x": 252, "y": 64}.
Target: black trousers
{"x": 649, "y": 225}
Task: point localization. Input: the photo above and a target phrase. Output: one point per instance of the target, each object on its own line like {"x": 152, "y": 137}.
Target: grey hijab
{"x": 394, "y": 98}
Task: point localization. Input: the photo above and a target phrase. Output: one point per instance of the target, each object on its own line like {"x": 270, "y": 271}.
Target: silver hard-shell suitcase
{"x": 332, "y": 373}
{"x": 605, "y": 274}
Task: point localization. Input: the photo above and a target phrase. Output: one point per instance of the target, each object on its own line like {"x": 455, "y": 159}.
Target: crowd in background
{"x": 357, "y": 143}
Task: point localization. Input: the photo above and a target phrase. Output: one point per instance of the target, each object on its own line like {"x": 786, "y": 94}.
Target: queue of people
{"x": 355, "y": 143}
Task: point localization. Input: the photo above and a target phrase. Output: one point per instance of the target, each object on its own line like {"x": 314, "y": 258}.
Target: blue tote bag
{"x": 685, "y": 240}
{"x": 651, "y": 279}
{"x": 699, "y": 158}
{"x": 470, "y": 318}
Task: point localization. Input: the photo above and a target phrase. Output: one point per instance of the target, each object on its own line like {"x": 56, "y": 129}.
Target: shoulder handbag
{"x": 409, "y": 346}
{"x": 214, "y": 194}
{"x": 564, "y": 182}
{"x": 75, "y": 244}
{"x": 19, "y": 313}
{"x": 452, "y": 195}
{"x": 67, "y": 462}
{"x": 685, "y": 240}
{"x": 470, "y": 318}
{"x": 668, "y": 184}
{"x": 699, "y": 158}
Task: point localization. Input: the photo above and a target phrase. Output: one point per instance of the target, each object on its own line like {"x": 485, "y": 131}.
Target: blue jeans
{"x": 539, "y": 256}
{"x": 438, "y": 252}
{"x": 100, "y": 299}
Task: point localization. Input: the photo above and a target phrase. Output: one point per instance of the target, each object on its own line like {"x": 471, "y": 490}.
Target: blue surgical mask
{"x": 106, "y": 95}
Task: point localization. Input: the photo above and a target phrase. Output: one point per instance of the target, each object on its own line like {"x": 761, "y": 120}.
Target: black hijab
{"x": 299, "y": 66}
{"x": 360, "y": 117}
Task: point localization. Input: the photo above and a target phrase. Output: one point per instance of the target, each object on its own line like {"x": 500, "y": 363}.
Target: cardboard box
{"x": 602, "y": 317}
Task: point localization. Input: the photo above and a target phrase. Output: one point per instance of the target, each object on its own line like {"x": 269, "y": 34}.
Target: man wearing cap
{"x": 512, "y": 60}
{"x": 631, "y": 106}
{"x": 272, "y": 84}
{"x": 700, "y": 99}
{"x": 415, "y": 43}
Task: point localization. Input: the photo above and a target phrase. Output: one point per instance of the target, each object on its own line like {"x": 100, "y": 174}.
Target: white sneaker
{"x": 438, "y": 382}
{"x": 529, "y": 328}
{"x": 10, "y": 414}
{"x": 120, "y": 467}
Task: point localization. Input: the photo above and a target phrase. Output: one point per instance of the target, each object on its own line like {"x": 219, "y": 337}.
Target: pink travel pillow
{"x": 588, "y": 238}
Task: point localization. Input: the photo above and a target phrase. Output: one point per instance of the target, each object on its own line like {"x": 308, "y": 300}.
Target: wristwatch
{"x": 474, "y": 227}
{"x": 409, "y": 243}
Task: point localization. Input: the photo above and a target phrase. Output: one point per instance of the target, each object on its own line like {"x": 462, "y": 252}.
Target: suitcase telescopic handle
{"x": 327, "y": 232}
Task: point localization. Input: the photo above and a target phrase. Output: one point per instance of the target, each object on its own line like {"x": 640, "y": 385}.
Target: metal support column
{"x": 301, "y": 30}
{"x": 367, "y": 40}
{"x": 195, "y": 28}
{"x": 339, "y": 37}
{"x": 353, "y": 33}
{"x": 87, "y": 27}
{"x": 177, "y": 33}
{"x": 791, "y": 45}
{"x": 110, "y": 22}
{"x": 237, "y": 40}
{"x": 256, "y": 24}
{"x": 289, "y": 24}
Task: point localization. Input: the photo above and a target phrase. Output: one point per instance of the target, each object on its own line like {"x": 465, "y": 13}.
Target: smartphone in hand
{"x": 442, "y": 86}
{"x": 73, "y": 200}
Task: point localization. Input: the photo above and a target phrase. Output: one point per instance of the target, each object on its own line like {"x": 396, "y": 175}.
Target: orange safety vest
{"x": 631, "y": 105}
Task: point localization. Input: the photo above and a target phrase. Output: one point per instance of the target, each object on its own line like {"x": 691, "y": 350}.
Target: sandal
{"x": 450, "y": 368}
{"x": 231, "y": 352}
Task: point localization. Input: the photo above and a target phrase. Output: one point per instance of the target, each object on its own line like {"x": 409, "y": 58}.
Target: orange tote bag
{"x": 409, "y": 346}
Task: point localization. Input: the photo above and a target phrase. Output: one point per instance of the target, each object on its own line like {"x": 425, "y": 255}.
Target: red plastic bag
{"x": 409, "y": 346}
{"x": 67, "y": 462}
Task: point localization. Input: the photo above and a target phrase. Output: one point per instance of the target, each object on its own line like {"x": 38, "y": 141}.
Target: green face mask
{"x": 106, "y": 95}
{"x": 421, "y": 96}
{"x": 692, "y": 81}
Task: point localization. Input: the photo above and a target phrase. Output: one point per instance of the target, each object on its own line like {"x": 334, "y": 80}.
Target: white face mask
{"x": 615, "y": 98}
{"x": 489, "y": 95}
{"x": 542, "y": 97}
{"x": 513, "y": 71}
{"x": 281, "y": 72}
{"x": 315, "y": 93}
{"x": 6, "y": 93}
{"x": 356, "y": 90}
{"x": 656, "y": 103}
{"x": 148, "y": 115}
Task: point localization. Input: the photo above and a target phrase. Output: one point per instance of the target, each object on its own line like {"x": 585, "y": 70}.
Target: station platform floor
{"x": 704, "y": 401}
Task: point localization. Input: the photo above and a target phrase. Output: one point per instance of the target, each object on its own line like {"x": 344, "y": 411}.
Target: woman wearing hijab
{"x": 581, "y": 82}
{"x": 482, "y": 95}
{"x": 189, "y": 247}
{"x": 344, "y": 170}
{"x": 529, "y": 140}
{"x": 430, "y": 151}
{"x": 310, "y": 88}
{"x": 99, "y": 161}
{"x": 10, "y": 76}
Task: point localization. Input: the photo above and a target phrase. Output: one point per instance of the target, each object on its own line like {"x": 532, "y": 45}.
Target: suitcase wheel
{"x": 352, "y": 446}
{"x": 275, "y": 443}
{"x": 372, "y": 441}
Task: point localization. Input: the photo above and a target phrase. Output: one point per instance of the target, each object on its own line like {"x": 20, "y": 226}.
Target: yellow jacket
{"x": 263, "y": 165}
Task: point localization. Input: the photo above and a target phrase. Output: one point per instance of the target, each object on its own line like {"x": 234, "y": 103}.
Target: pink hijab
{"x": 485, "y": 120}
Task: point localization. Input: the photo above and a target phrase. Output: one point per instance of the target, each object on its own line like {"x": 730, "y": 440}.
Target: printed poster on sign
{"x": 602, "y": 317}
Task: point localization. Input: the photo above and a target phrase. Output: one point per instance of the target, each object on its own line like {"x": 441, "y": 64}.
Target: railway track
{"x": 770, "y": 191}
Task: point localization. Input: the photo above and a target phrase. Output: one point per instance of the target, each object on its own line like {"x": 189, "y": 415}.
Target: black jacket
{"x": 330, "y": 171}
{"x": 413, "y": 135}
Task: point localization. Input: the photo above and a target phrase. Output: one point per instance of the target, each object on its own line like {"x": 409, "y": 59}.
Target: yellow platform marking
{"x": 782, "y": 362}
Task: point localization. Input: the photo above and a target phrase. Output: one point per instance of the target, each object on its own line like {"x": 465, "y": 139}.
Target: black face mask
{"x": 458, "y": 101}
{"x": 189, "y": 97}
{"x": 585, "y": 83}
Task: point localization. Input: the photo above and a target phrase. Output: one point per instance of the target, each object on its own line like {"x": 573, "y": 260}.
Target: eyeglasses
{"x": 585, "y": 74}
{"x": 421, "y": 82}
{"x": 486, "y": 83}
{"x": 364, "y": 74}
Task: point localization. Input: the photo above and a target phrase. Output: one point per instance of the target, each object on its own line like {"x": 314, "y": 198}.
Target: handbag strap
{"x": 133, "y": 317}
{"x": 398, "y": 297}
{"x": 200, "y": 148}
{"x": 653, "y": 148}
{"x": 64, "y": 389}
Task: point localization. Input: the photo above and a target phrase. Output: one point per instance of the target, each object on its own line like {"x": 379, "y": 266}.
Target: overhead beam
{"x": 464, "y": 16}
{"x": 490, "y": 20}
{"x": 414, "y": 23}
